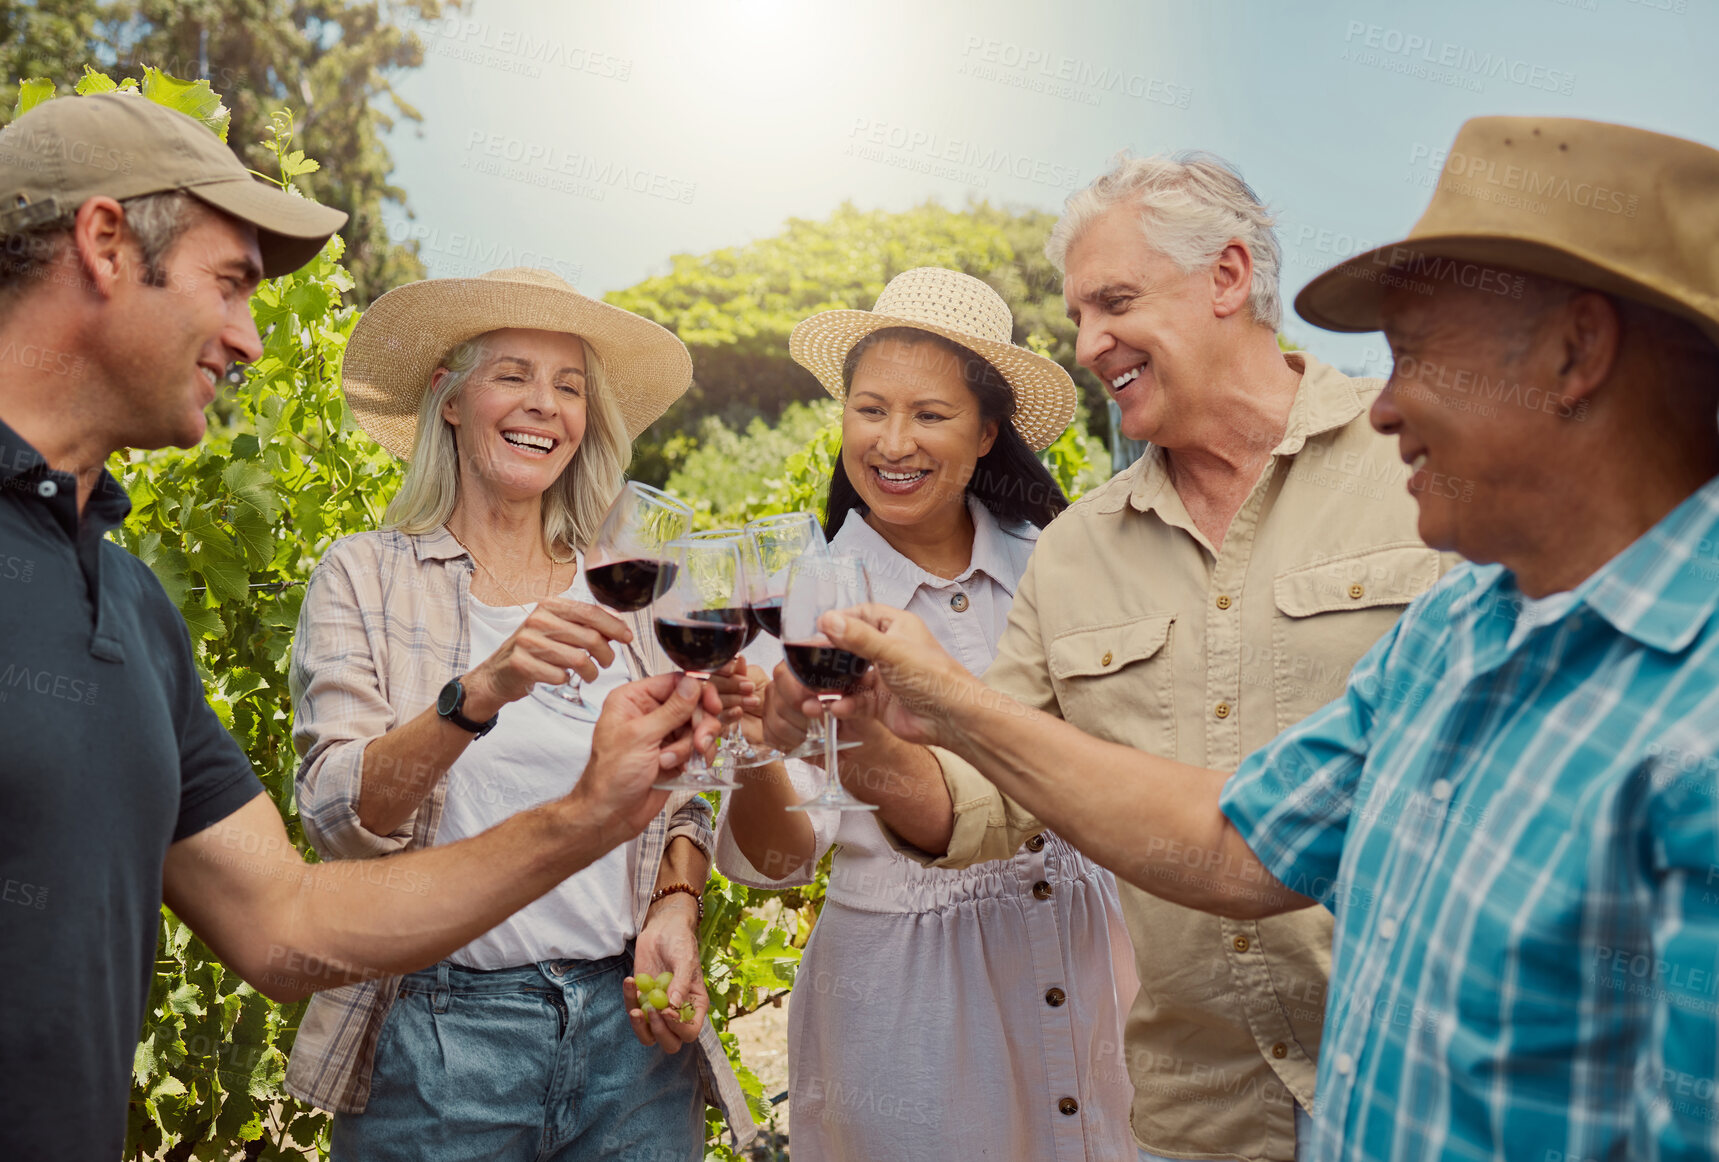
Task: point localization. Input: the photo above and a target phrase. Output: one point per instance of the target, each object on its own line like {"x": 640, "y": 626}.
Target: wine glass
{"x": 736, "y": 752}
{"x": 818, "y": 584}
{"x": 621, "y": 568}
{"x": 780, "y": 541}
{"x": 700, "y": 621}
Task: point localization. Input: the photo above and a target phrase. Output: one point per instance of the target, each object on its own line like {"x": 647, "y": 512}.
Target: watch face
{"x": 448, "y": 700}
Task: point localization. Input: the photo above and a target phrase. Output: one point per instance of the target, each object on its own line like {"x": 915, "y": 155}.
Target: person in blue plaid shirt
{"x": 1513, "y": 809}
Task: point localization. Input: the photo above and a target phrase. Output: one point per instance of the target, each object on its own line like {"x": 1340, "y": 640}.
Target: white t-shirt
{"x": 533, "y": 755}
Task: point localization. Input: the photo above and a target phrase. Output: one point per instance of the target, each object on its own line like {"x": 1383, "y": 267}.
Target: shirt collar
{"x": 22, "y": 468}
{"x": 1325, "y": 399}
{"x": 1662, "y": 590}
{"x": 439, "y": 545}
{"x": 895, "y": 579}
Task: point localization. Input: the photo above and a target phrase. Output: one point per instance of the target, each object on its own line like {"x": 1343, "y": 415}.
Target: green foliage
{"x": 735, "y": 307}
{"x": 731, "y": 477}
{"x": 333, "y": 60}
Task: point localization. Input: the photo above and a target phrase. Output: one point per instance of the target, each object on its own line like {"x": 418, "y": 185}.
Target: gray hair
{"x": 1191, "y": 205}
{"x": 573, "y": 506}
{"x": 154, "y": 221}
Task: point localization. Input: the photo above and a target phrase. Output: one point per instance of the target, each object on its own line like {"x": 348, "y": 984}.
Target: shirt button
{"x": 1387, "y": 928}
{"x": 1036, "y": 843}
{"x": 1222, "y": 710}
{"x": 958, "y": 603}
{"x": 1241, "y": 944}
{"x": 1345, "y": 1064}
{"x": 1068, "y": 1106}
{"x": 1105, "y": 660}
{"x": 1223, "y": 601}
{"x": 1357, "y": 592}
{"x": 1280, "y": 1050}
{"x": 1042, "y": 890}
{"x": 47, "y": 490}
{"x": 1055, "y": 997}
{"x": 1440, "y": 790}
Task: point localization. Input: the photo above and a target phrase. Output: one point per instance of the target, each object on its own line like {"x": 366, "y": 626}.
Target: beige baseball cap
{"x": 123, "y": 145}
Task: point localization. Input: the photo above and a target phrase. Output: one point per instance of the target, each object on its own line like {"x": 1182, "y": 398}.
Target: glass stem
{"x": 830, "y": 757}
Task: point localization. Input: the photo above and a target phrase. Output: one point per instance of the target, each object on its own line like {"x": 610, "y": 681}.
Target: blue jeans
{"x": 529, "y": 1064}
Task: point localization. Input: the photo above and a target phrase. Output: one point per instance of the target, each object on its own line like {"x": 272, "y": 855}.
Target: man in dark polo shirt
{"x": 130, "y": 243}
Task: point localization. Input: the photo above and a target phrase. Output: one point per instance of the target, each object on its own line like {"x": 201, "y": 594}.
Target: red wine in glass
{"x": 825, "y": 669}
{"x": 767, "y": 614}
{"x": 627, "y": 586}
{"x": 702, "y": 640}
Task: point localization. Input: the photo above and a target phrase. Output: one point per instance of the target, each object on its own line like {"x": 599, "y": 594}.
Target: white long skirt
{"x": 963, "y": 1015}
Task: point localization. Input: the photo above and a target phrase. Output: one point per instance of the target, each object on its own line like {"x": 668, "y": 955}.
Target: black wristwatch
{"x": 452, "y": 700}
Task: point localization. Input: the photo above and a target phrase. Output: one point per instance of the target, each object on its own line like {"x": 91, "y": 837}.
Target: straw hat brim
{"x": 402, "y": 338}
{"x": 1347, "y": 297}
{"x": 1044, "y": 394}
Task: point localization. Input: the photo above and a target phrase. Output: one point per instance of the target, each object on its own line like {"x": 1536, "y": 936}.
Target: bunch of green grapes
{"x": 653, "y": 996}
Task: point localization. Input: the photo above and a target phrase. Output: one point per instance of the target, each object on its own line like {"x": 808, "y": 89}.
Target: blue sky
{"x": 598, "y": 138}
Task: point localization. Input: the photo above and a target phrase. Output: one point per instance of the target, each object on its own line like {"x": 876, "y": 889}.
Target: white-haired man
{"x": 1209, "y": 595}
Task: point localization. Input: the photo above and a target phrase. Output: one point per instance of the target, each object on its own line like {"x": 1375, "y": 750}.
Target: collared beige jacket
{"x": 1130, "y": 626}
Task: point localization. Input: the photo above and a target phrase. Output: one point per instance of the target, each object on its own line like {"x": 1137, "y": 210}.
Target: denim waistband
{"x": 448, "y": 977}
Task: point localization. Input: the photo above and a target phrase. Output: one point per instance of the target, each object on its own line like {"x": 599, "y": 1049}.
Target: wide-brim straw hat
{"x": 1603, "y": 206}
{"x": 404, "y": 336}
{"x": 962, "y": 309}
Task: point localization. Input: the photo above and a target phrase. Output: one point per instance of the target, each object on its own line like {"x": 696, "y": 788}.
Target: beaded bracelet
{"x": 697, "y": 896}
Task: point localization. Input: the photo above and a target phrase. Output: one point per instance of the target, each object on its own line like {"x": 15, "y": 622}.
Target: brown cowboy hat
{"x": 1620, "y": 210}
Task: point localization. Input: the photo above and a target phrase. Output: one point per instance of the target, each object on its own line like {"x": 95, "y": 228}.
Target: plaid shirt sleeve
{"x": 1676, "y": 1115}
{"x": 1291, "y": 799}
{"x": 339, "y": 707}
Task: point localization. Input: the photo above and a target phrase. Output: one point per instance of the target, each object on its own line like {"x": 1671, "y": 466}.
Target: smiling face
{"x": 169, "y": 346}
{"x": 520, "y": 416}
{"x": 912, "y": 431}
{"x": 1142, "y": 321}
{"x": 1474, "y": 402}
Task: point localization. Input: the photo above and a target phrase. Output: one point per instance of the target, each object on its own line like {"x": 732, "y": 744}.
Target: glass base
{"x": 564, "y": 700}
{"x": 741, "y": 760}
{"x": 711, "y": 779}
{"x": 833, "y": 798}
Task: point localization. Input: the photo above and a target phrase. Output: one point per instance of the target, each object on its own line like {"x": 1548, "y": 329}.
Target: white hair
{"x": 573, "y": 506}
{"x": 1192, "y": 205}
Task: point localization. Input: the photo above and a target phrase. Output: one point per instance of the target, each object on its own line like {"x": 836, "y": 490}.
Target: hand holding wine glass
{"x": 819, "y": 584}
{"x": 701, "y": 623}
{"x": 622, "y": 567}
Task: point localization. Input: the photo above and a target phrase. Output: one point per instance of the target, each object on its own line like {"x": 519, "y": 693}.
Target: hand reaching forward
{"x": 641, "y": 738}
{"x": 912, "y": 683}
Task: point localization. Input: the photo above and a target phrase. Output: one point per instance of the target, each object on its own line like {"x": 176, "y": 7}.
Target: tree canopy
{"x": 734, "y": 307}
{"x": 333, "y": 62}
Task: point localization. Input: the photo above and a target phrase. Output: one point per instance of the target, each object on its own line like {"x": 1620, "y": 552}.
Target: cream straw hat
{"x": 962, "y": 309}
{"x": 407, "y": 332}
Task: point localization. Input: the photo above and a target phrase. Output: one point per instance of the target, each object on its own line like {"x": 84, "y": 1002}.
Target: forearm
{"x": 1153, "y": 821}
{"x": 350, "y": 920}
{"x": 683, "y": 863}
{"x": 906, "y": 783}
{"x": 403, "y": 765}
{"x": 776, "y": 841}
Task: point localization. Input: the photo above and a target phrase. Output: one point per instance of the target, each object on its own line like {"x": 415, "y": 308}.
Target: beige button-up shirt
{"x": 1129, "y": 625}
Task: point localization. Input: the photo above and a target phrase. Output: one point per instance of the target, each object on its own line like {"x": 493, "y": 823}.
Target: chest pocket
{"x": 1115, "y": 681}
{"x": 1330, "y": 612}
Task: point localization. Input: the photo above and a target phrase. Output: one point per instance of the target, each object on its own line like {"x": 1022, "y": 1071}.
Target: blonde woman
{"x": 515, "y": 400}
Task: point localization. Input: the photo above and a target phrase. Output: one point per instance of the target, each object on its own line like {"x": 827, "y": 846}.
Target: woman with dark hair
{"x": 937, "y": 1013}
